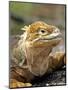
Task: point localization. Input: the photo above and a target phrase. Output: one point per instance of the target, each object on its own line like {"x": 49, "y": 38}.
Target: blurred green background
{"x": 21, "y": 13}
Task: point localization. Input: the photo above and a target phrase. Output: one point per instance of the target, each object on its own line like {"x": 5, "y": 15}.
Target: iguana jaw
{"x": 49, "y": 40}
{"x": 53, "y": 38}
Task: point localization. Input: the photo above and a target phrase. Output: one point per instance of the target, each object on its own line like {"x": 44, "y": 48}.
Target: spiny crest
{"x": 25, "y": 28}
{"x": 34, "y": 26}
{"x": 37, "y": 25}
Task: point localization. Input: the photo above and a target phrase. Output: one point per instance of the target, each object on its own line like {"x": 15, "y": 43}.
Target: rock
{"x": 56, "y": 78}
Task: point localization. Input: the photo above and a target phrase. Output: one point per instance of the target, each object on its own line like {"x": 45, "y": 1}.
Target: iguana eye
{"x": 42, "y": 31}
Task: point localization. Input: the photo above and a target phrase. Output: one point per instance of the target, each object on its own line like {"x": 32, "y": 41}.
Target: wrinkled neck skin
{"x": 37, "y": 58}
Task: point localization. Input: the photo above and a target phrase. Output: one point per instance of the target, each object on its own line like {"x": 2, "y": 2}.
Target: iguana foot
{"x": 60, "y": 56}
{"x": 16, "y": 84}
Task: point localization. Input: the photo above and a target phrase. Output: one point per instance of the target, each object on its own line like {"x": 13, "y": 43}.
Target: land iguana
{"x": 32, "y": 55}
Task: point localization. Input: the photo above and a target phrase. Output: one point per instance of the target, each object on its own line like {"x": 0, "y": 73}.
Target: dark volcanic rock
{"x": 56, "y": 78}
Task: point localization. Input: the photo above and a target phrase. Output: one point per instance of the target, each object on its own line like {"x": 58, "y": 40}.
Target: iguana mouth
{"x": 53, "y": 36}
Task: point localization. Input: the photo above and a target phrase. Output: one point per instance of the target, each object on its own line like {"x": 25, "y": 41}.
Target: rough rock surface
{"x": 56, "y": 78}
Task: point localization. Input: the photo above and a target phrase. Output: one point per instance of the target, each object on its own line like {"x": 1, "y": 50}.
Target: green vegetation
{"x": 22, "y": 13}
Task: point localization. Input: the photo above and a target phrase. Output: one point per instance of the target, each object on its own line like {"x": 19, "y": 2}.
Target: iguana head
{"x": 40, "y": 34}
{"x": 37, "y": 42}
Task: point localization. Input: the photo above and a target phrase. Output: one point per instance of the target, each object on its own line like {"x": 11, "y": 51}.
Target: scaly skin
{"x": 32, "y": 55}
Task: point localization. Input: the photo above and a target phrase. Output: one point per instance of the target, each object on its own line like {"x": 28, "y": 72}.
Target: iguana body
{"x": 32, "y": 55}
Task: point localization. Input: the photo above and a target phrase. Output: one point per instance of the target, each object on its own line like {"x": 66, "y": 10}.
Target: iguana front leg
{"x": 16, "y": 84}
{"x": 56, "y": 61}
{"x": 20, "y": 77}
